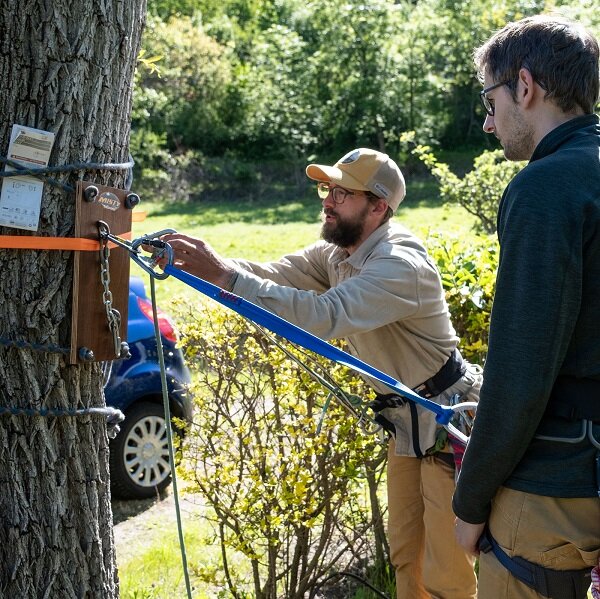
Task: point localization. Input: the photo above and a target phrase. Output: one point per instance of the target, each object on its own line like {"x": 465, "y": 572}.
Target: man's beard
{"x": 343, "y": 233}
{"x": 518, "y": 143}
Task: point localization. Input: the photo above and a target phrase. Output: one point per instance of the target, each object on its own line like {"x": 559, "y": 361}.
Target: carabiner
{"x": 151, "y": 239}
{"x": 462, "y": 410}
{"x": 161, "y": 249}
{"x": 146, "y": 263}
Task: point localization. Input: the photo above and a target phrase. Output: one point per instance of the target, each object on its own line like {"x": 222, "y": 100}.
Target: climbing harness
{"x": 444, "y": 415}
{"x": 569, "y": 400}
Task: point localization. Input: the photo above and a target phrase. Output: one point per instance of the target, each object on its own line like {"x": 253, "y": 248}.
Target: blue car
{"x": 139, "y": 454}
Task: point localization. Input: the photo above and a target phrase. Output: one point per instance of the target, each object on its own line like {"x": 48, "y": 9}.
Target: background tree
{"x": 67, "y": 67}
{"x": 314, "y": 78}
{"x": 184, "y": 96}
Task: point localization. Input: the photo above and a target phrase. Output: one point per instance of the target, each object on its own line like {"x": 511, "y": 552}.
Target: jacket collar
{"x": 553, "y": 140}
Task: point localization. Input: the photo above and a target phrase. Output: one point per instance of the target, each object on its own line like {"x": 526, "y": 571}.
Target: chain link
{"x": 113, "y": 316}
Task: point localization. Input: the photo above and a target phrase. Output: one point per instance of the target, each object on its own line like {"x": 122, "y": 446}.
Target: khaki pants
{"x": 427, "y": 560}
{"x": 562, "y": 534}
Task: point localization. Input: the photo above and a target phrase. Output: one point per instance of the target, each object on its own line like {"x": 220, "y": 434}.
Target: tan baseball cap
{"x": 365, "y": 170}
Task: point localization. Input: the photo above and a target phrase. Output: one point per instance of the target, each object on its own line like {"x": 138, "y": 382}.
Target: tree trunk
{"x": 65, "y": 67}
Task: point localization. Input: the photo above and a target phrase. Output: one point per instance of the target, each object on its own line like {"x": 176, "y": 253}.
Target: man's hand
{"x": 467, "y": 535}
{"x": 198, "y": 258}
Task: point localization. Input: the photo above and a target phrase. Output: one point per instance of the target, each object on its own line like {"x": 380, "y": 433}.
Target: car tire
{"x": 139, "y": 454}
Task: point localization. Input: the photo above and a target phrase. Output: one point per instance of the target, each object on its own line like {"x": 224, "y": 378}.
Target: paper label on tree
{"x": 21, "y": 197}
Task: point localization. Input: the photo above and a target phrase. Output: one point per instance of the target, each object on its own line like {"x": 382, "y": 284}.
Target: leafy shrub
{"x": 468, "y": 270}
{"x": 291, "y": 500}
{"x": 160, "y": 174}
{"x": 480, "y": 190}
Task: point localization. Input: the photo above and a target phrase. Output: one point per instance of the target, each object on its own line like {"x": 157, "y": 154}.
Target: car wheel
{"x": 139, "y": 454}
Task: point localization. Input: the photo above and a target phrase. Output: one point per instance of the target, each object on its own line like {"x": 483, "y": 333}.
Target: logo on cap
{"x": 382, "y": 189}
{"x": 350, "y": 157}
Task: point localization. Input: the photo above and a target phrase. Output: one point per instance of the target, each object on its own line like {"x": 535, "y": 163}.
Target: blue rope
{"x": 295, "y": 334}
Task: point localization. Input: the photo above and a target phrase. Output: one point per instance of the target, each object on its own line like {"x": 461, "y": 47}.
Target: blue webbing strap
{"x": 295, "y": 334}
{"x": 519, "y": 570}
{"x": 555, "y": 584}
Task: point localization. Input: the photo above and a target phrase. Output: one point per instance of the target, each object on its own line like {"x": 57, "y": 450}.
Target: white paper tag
{"x": 21, "y": 197}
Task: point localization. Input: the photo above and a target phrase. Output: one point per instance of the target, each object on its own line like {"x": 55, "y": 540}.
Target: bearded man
{"x": 370, "y": 281}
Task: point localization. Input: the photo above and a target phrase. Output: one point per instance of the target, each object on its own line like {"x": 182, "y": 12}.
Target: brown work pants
{"x": 558, "y": 533}
{"x": 429, "y": 564}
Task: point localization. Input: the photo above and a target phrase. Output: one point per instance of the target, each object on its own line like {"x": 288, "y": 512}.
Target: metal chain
{"x": 113, "y": 316}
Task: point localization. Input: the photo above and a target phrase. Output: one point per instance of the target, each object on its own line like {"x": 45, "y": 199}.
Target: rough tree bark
{"x": 65, "y": 67}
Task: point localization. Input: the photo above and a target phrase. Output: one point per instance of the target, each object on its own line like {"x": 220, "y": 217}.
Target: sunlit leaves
{"x": 286, "y": 497}
{"x": 468, "y": 271}
{"x": 478, "y": 191}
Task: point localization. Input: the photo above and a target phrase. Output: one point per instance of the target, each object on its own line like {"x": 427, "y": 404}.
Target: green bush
{"x": 292, "y": 500}
{"x": 468, "y": 270}
{"x": 162, "y": 175}
{"x": 185, "y": 93}
{"x": 480, "y": 190}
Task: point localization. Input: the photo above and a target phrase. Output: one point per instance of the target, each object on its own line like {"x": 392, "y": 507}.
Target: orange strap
{"x": 30, "y": 242}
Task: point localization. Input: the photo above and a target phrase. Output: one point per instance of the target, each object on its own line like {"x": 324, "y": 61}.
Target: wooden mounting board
{"x": 89, "y": 324}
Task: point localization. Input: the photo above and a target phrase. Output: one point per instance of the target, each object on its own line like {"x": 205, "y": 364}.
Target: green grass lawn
{"x": 156, "y": 572}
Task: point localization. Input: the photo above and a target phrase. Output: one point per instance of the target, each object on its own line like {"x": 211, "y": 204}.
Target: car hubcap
{"x": 146, "y": 452}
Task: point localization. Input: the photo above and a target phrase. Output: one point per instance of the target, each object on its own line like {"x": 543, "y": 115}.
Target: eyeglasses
{"x": 485, "y": 101}
{"x": 338, "y": 194}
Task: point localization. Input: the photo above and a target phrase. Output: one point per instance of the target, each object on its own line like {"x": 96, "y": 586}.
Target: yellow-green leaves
{"x": 286, "y": 499}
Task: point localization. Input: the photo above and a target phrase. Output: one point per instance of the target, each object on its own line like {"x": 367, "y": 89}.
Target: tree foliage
{"x": 184, "y": 96}
{"x": 468, "y": 271}
{"x": 479, "y": 191}
{"x": 261, "y": 78}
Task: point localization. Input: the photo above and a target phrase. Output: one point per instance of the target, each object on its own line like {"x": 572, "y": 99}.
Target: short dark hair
{"x": 561, "y": 55}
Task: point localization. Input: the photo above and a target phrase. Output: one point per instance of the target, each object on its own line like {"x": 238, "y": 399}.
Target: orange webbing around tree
{"x": 30, "y": 242}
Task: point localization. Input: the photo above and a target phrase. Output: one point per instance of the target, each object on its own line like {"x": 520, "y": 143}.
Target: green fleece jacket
{"x": 545, "y": 323}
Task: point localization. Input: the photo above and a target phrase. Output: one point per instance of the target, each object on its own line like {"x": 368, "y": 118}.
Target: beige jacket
{"x": 386, "y": 300}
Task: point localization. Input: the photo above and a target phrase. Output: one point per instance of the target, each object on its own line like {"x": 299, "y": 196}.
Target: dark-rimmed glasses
{"x": 485, "y": 102}
{"x": 338, "y": 194}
